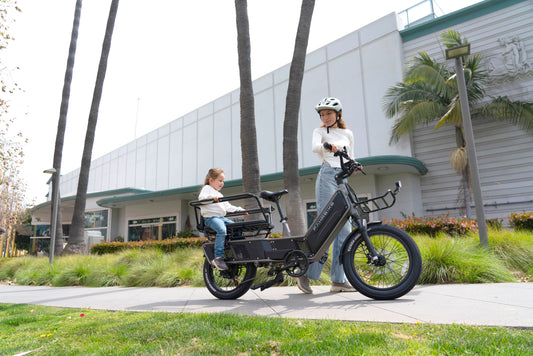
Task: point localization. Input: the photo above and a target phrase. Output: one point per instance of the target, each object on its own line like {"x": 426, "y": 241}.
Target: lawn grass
{"x": 60, "y": 331}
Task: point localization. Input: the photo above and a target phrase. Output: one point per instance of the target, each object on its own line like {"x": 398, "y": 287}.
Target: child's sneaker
{"x": 219, "y": 264}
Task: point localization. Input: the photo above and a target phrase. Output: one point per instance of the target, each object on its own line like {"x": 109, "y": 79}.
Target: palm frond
{"x": 415, "y": 113}
{"x": 453, "y": 116}
{"x": 396, "y": 97}
{"x": 452, "y": 38}
{"x": 476, "y": 79}
{"x": 519, "y": 113}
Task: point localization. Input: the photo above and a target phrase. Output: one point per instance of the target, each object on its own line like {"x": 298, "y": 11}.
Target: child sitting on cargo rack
{"x": 214, "y": 214}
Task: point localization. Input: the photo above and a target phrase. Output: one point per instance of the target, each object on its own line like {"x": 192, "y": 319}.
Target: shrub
{"x": 167, "y": 245}
{"x": 448, "y": 260}
{"x": 433, "y": 226}
{"x": 186, "y": 233}
{"x": 496, "y": 224}
{"x": 521, "y": 221}
{"x": 514, "y": 248}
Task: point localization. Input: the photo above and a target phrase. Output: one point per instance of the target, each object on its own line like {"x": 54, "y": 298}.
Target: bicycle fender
{"x": 354, "y": 235}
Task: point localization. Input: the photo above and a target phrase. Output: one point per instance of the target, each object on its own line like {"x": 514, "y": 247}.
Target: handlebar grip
{"x": 327, "y": 146}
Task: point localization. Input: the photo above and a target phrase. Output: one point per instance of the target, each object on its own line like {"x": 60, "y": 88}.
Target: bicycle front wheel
{"x": 396, "y": 270}
{"x": 230, "y": 284}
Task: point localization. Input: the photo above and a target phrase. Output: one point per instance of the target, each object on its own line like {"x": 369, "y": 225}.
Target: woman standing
{"x": 335, "y": 132}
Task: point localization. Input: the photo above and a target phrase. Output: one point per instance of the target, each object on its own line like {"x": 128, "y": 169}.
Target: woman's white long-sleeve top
{"x": 340, "y": 137}
{"x": 215, "y": 209}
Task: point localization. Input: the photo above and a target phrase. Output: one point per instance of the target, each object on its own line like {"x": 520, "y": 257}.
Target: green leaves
{"x": 429, "y": 93}
{"x": 518, "y": 113}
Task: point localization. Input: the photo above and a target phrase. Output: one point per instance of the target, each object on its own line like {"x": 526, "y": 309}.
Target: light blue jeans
{"x": 324, "y": 189}
{"x": 218, "y": 223}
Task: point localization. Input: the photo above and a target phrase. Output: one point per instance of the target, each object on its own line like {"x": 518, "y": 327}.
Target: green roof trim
{"x": 365, "y": 161}
{"x": 392, "y": 159}
{"x": 468, "y": 13}
{"x": 135, "y": 191}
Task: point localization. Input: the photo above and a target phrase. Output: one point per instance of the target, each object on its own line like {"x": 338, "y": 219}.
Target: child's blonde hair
{"x": 213, "y": 173}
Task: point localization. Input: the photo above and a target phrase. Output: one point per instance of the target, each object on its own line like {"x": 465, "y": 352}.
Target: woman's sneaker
{"x": 219, "y": 264}
{"x": 341, "y": 287}
{"x": 303, "y": 284}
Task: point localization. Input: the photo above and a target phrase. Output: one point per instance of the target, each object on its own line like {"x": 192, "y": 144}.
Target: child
{"x": 214, "y": 213}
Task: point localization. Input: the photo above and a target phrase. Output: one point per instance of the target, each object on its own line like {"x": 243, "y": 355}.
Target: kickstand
{"x": 277, "y": 280}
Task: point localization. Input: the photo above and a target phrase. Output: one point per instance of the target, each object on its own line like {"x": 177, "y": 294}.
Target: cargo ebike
{"x": 380, "y": 261}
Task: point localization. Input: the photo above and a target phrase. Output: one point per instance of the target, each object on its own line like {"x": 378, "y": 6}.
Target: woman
{"x": 335, "y": 132}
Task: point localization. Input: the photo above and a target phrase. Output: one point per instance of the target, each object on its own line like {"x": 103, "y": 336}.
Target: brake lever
{"x": 358, "y": 167}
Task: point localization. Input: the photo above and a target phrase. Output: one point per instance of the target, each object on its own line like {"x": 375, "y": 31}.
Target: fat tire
{"x": 402, "y": 268}
{"x": 224, "y": 288}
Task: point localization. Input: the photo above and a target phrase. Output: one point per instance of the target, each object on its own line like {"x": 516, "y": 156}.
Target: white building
{"x": 144, "y": 187}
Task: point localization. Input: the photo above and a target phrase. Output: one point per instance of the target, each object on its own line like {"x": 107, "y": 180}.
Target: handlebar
{"x": 348, "y": 166}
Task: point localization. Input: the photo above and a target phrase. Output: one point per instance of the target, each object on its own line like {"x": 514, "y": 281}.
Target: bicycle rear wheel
{"x": 395, "y": 272}
{"x": 230, "y": 284}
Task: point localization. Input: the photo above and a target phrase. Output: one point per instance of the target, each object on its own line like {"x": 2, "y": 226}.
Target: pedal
{"x": 270, "y": 283}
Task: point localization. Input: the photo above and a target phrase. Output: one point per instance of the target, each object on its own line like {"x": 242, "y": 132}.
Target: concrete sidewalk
{"x": 501, "y": 304}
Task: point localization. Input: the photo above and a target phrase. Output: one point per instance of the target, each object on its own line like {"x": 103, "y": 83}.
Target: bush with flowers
{"x": 433, "y": 225}
{"x": 167, "y": 245}
{"x": 521, "y": 221}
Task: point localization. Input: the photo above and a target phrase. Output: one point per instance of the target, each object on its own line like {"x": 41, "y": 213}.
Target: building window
{"x": 152, "y": 229}
{"x": 96, "y": 224}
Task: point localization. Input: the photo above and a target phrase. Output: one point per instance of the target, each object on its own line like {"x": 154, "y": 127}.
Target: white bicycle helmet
{"x": 329, "y": 104}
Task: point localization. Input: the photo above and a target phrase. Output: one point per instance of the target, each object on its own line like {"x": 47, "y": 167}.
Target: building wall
{"x": 356, "y": 68}
{"x": 503, "y": 150}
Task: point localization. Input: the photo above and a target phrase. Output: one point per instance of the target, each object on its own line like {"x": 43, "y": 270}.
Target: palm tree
{"x": 428, "y": 94}
{"x": 295, "y": 212}
{"x": 76, "y": 243}
{"x": 250, "y": 161}
{"x": 61, "y": 125}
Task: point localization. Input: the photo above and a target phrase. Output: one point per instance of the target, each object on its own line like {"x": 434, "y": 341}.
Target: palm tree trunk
{"x": 250, "y": 161}
{"x": 291, "y": 177}
{"x": 62, "y": 123}
{"x": 76, "y": 243}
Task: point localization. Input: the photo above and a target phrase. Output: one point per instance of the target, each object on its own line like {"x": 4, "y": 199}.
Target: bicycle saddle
{"x": 273, "y": 196}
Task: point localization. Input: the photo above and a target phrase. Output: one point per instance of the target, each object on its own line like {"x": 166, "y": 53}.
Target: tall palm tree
{"x": 295, "y": 212}
{"x": 250, "y": 161}
{"x": 61, "y": 125}
{"x": 76, "y": 243}
{"x": 429, "y": 94}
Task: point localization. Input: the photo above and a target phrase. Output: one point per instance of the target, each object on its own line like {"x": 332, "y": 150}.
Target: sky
{"x": 167, "y": 58}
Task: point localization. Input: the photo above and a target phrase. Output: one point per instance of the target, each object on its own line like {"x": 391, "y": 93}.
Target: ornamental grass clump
{"x": 449, "y": 260}
{"x": 515, "y": 248}
{"x": 433, "y": 226}
{"x": 27, "y": 270}
{"x": 521, "y": 221}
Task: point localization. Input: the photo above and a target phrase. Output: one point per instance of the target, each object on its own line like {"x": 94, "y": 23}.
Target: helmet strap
{"x": 335, "y": 123}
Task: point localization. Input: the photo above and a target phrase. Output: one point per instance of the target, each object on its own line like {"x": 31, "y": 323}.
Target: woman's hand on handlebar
{"x": 331, "y": 147}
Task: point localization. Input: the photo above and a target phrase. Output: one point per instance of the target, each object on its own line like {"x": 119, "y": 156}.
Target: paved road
{"x": 501, "y": 304}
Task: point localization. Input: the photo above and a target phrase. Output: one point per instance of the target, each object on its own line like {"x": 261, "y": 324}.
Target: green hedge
{"x": 167, "y": 245}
